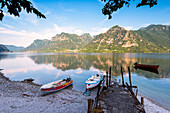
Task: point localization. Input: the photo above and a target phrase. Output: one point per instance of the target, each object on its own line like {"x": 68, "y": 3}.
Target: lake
{"x": 48, "y": 67}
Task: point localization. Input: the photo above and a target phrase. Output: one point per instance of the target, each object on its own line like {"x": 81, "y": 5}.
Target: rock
{"x": 28, "y": 80}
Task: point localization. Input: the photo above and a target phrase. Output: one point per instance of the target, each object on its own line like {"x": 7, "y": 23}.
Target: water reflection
{"x": 104, "y": 61}
{"x": 48, "y": 67}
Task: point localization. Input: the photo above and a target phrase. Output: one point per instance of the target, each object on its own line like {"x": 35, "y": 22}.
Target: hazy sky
{"x": 77, "y": 16}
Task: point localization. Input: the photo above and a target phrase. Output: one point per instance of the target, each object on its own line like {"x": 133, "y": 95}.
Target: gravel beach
{"x": 23, "y": 97}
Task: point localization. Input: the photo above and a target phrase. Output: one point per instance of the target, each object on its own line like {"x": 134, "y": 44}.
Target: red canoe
{"x": 147, "y": 66}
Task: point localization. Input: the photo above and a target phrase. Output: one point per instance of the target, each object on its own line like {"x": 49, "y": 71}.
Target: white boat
{"x": 55, "y": 86}
{"x": 93, "y": 81}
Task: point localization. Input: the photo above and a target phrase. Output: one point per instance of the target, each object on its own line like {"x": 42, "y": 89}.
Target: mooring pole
{"x": 90, "y": 105}
{"x": 107, "y": 79}
{"x": 130, "y": 81}
{"x": 136, "y": 92}
{"x": 122, "y": 77}
{"x": 110, "y": 76}
{"x": 142, "y": 101}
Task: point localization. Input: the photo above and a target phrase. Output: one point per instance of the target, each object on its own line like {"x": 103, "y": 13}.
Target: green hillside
{"x": 60, "y": 42}
{"x": 154, "y": 38}
{"x": 151, "y": 39}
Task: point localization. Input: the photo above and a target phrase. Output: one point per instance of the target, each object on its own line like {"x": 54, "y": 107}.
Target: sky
{"x": 77, "y": 16}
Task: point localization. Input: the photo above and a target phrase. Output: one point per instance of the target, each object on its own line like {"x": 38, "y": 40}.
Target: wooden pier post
{"x": 122, "y": 77}
{"x": 130, "y": 78}
{"x": 106, "y": 79}
{"x": 98, "y": 93}
{"x": 110, "y": 75}
{"x": 142, "y": 101}
{"x": 136, "y": 92}
{"x": 90, "y": 105}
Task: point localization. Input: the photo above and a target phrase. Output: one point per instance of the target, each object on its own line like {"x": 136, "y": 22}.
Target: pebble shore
{"x": 24, "y": 97}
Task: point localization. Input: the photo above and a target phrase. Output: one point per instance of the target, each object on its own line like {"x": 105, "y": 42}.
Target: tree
{"x": 14, "y": 7}
{"x": 113, "y": 5}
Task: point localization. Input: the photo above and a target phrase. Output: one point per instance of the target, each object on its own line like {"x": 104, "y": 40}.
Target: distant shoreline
{"x": 73, "y": 52}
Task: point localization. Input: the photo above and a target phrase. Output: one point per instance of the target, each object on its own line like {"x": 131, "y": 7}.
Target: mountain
{"x": 60, "y": 42}
{"x": 14, "y": 48}
{"x": 154, "y": 38}
{"x": 38, "y": 45}
{"x": 87, "y": 37}
{"x": 151, "y": 39}
{"x": 3, "y": 48}
{"x": 160, "y": 34}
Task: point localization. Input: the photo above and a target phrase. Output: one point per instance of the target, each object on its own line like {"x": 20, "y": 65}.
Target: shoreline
{"x": 23, "y": 96}
{"x": 20, "y": 96}
{"x": 149, "y": 104}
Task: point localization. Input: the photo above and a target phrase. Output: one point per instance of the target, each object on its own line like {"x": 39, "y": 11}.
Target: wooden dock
{"x": 113, "y": 97}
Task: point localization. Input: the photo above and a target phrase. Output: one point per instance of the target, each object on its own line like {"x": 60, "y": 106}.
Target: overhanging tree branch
{"x": 14, "y": 7}
{"x": 113, "y": 5}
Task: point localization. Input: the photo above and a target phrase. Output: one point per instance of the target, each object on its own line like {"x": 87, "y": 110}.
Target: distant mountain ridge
{"x": 14, "y": 48}
{"x": 3, "y": 48}
{"x": 154, "y": 38}
{"x": 60, "y": 42}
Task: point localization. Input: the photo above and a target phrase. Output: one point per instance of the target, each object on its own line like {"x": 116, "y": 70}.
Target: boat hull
{"x": 90, "y": 86}
{"x": 54, "y": 89}
{"x": 95, "y": 82}
{"x": 147, "y": 66}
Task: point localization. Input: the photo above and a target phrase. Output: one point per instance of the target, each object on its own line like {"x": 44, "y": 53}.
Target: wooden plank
{"x": 134, "y": 86}
{"x": 129, "y": 88}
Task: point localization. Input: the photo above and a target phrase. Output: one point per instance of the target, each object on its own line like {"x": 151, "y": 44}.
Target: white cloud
{"x": 79, "y": 71}
{"x": 99, "y": 29}
{"x": 96, "y": 31}
{"x": 67, "y": 29}
{"x": 128, "y": 27}
{"x": 20, "y": 38}
{"x": 47, "y": 13}
{"x": 7, "y": 25}
{"x": 8, "y": 15}
{"x": 31, "y": 66}
{"x": 25, "y": 38}
{"x": 102, "y": 2}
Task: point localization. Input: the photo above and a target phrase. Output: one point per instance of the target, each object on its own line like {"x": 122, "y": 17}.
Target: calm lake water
{"x": 48, "y": 67}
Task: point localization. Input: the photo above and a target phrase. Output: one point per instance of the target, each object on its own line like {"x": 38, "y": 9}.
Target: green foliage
{"x": 14, "y": 7}
{"x": 154, "y": 38}
{"x": 60, "y": 42}
{"x": 113, "y": 5}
